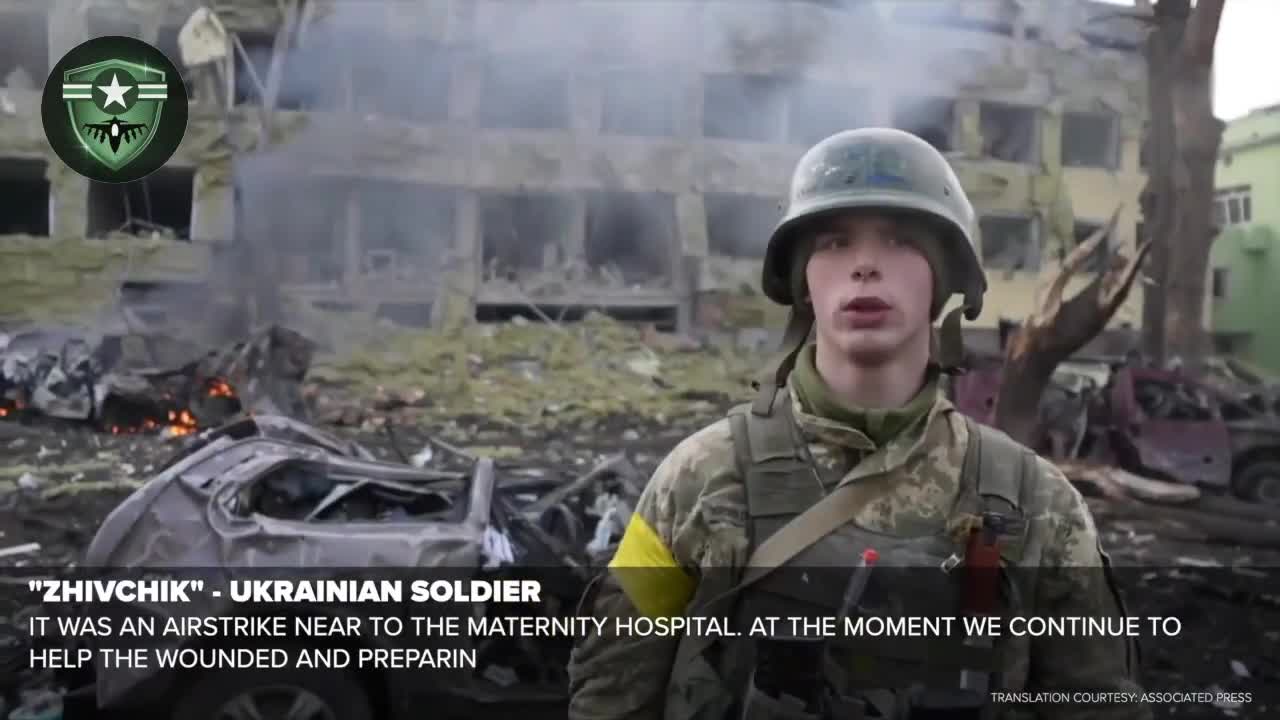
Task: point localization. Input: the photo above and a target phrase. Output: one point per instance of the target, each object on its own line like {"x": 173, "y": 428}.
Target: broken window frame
{"x": 1108, "y": 158}
{"x": 854, "y": 107}
{"x": 33, "y": 171}
{"x": 657, "y": 232}
{"x": 1031, "y": 155}
{"x": 420, "y": 211}
{"x": 143, "y": 220}
{"x": 1033, "y": 250}
{"x": 38, "y": 19}
{"x": 617, "y": 92}
{"x": 552, "y": 78}
{"x": 917, "y": 103}
{"x": 749, "y": 214}
{"x": 763, "y": 100}
{"x": 552, "y": 249}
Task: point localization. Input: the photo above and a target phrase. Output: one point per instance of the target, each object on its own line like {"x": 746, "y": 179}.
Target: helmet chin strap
{"x": 948, "y": 355}
{"x": 774, "y": 375}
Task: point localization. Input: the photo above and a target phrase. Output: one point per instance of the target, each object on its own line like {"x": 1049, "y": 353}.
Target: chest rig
{"x": 953, "y": 569}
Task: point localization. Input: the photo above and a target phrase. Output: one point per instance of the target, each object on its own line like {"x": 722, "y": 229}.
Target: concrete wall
{"x": 984, "y": 54}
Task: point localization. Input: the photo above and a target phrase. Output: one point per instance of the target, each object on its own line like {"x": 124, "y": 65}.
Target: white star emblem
{"x": 115, "y": 92}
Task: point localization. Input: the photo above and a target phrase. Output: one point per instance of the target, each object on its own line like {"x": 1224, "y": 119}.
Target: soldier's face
{"x": 870, "y": 287}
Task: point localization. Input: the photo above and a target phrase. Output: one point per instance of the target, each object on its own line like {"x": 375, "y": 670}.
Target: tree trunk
{"x": 1058, "y": 328}
{"x": 1182, "y": 151}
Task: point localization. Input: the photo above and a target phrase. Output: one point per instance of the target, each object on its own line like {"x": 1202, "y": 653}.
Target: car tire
{"x": 313, "y": 694}
{"x": 1258, "y": 482}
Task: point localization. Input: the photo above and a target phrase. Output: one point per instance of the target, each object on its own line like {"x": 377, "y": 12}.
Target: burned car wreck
{"x": 1217, "y": 434}
{"x": 267, "y": 494}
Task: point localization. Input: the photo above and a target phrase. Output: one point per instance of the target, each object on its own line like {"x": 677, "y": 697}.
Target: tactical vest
{"x": 924, "y": 576}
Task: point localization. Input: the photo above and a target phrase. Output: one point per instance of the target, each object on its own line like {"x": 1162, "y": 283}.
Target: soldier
{"x": 853, "y": 434}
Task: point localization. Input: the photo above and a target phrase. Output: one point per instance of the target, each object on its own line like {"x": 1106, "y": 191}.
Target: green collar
{"x": 880, "y": 426}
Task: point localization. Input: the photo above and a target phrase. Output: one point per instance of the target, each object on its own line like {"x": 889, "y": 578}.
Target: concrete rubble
{"x": 553, "y": 428}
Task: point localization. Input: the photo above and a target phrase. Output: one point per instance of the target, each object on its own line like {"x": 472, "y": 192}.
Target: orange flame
{"x": 182, "y": 422}
{"x": 220, "y": 388}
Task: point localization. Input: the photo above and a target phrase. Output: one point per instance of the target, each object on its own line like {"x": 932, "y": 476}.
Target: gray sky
{"x": 1247, "y": 47}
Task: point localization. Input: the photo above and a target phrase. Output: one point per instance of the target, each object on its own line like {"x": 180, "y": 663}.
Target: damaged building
{"x": 423, "y": 161}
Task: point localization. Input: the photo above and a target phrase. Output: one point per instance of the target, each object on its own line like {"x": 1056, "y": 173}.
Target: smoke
{"x": 428, "y": 96}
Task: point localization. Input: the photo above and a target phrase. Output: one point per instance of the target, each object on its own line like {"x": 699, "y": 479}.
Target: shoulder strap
{"x": 999, "y": 469}
{"x": 996, "y": 465}
{"x": 759, "y": 439}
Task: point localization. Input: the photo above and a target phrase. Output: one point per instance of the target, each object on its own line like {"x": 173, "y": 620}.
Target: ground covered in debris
{"x": 1230, "y": 639}
{"x": 557, "y": 401}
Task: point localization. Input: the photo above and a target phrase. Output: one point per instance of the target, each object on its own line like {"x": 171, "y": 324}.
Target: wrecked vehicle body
{"x": 120, "y": 381}
{"x": 1160, "y": 423}
{"x": 268, "y": 496}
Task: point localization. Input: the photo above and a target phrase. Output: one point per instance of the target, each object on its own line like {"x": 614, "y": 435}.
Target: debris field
{"x": 568, "y": 420}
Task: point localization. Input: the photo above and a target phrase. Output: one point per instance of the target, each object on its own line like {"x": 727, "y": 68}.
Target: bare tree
{"x": 1181, "y": 150}
{"x": 1057, "y": 327}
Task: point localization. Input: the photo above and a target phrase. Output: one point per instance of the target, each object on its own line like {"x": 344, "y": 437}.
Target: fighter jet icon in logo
{"x": 115, "y": 106}
{"x": 113, "y": 132}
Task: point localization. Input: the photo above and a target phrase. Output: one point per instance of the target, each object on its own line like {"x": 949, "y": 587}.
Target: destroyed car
{"x": 1163, "y": 424}
{"x": 269, "y": 494}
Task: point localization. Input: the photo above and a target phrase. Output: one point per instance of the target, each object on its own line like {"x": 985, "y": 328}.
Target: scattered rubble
{"x": 535, "y": 376}
{"x": 396, "y": 445}
{"x": 129, "y": 382}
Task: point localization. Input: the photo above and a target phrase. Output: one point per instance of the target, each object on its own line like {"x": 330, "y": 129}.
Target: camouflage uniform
{"x": 694, "y": 525}
{"x": 693, "y": 508}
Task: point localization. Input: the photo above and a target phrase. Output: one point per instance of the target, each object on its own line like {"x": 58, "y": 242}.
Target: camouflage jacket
{"x": 691, "y": 519}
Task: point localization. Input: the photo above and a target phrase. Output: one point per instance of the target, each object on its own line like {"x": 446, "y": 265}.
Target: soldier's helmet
{"x": 882, "y": 169}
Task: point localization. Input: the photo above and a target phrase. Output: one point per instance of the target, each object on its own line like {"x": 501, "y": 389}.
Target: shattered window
{"x": 932, "y": 118}
{"x": 1161, "y": 400}
{"x": 522, "y": 232}
{"x": 1008, "y": 132}
{"x": 307, "y": 221}
{"x": 818, "y": 110}
{"x": 638, "y": 103}
{"x": 1010, "y": 243}
{"x": 26, "y": 197}
{"x": 404, "y": 228}
{"x": 24, "y": 54}
{"x": 524, "y": 93}
{"x": 162, "y": 201}
{"x": 1090, "y": 140}
{"x": 743, "y": 107}
{"x": 401, "y": 78}
{"x": 632, "y": 235}
{"x": 310, "y": 77}
{"x": 738, "y": 225}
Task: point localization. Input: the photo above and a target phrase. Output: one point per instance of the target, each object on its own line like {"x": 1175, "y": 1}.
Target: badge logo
{"x": 114, "y": 109}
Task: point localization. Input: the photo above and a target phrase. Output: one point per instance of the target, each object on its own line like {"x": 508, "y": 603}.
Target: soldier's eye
{"x": 829, "y": 241}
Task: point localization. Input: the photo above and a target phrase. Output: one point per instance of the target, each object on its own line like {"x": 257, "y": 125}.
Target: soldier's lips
{"x": 865, "y": 312}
